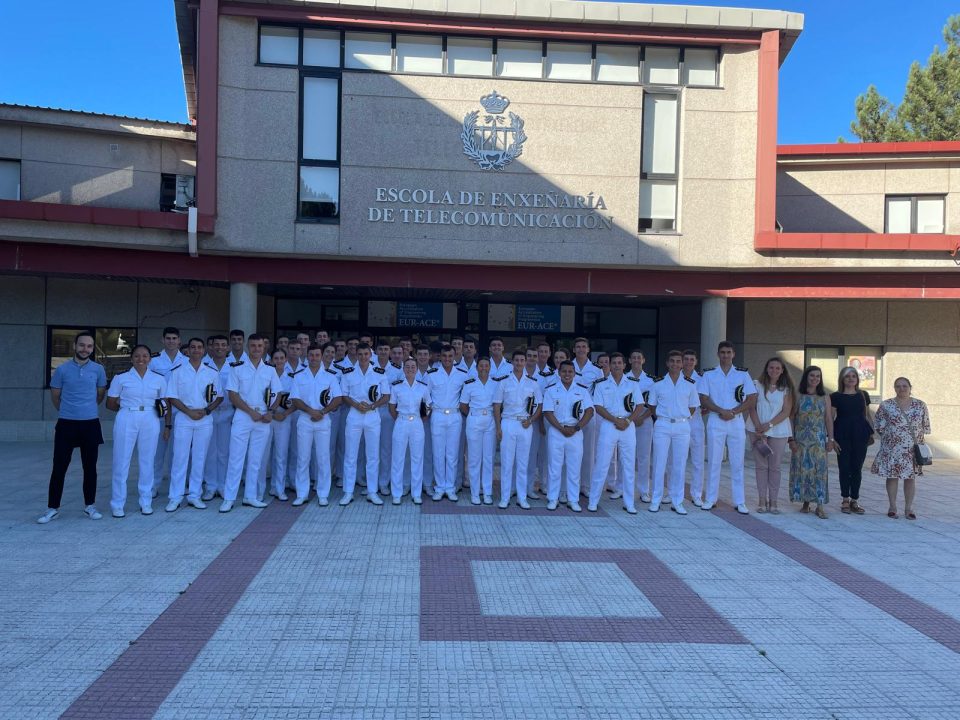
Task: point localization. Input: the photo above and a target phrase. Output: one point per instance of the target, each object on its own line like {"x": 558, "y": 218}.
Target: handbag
{"x": 922, "y": 455}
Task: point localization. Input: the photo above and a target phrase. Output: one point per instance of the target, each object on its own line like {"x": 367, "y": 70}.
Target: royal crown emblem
{"x": 495, "y": 144}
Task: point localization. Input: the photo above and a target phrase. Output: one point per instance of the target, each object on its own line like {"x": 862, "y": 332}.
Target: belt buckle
{"x": 447, "y": 411}
{"x": 139, "y": 408}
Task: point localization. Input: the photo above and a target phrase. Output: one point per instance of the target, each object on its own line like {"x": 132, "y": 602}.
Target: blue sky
{"x": 121, "y": 56}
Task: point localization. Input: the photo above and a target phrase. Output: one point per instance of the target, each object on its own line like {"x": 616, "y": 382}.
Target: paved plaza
{"x": 465, "y": 612}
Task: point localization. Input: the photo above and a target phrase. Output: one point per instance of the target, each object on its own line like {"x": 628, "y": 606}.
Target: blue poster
{"x": 538, "y": 318}
{"x": 420, "y": 315}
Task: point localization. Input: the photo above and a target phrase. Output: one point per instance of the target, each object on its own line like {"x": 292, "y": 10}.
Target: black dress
{"x": 851, "y": 431}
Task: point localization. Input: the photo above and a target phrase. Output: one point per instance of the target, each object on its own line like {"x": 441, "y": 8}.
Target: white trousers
{"x": 462, "y": 472}
{"x": 565, "y": 453}
{"x": 729, "y": 433}
{"x": 696, "y": 454}
{"x": 163, "y": 455}
{"x": 140, "y": 429}
{"x": 337, "y": 438}
{"x": 313, "y": 444}
{"x": 537, "y": 460}
{"x": 191, "y": 443}
{"x": 218, "y": 451}
{"x": 481, "y": 437}
{"x": 408, "y": 434}
{"x": 624, "y": 442}
{"x": 644, "y": 453}
{"x": 670, "y": 444}
{"x": 291, "y": 465}
{"x": 282, "y": 430}
{"x": 247, "y": 441}
{"x": 445, "y": 430}
{"x": 365, "y": 426}
{"x": 514, "y": 454}
{"x": 386, "y": 450}
{"x": 590, "y": 432}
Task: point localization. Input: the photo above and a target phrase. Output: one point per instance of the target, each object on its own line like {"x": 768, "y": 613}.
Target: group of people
{"x": 401, "y": 419}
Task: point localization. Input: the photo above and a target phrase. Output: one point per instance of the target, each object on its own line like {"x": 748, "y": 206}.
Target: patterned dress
{"x": 898, "y": 432}
{"x": 808, "y": 464}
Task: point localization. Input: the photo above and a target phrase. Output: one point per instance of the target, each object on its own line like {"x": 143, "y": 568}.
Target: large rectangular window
{"x": 519, "y": 59}
{"x": 661, "y": 66}
{"x": 367, "y": 51}
{"x": 469, "y": 56}
{"x": 279, "y": 45}
{"x": 420, "y": 54}
{"x": 618, "y": 63}
{"x": 915, "y": 214}
{"x": 700, "y": 67}
{"x": 9, "y": 179}
{"x": 111, "y": 348}
{"x": 658, "y": 162}
{"x": 568, "y": 62}
{"x": 321, "y": 48}
{"x": 319, "y": 186}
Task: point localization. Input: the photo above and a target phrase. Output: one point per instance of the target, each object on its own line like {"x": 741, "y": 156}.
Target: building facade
{"x": 526, "y": 168}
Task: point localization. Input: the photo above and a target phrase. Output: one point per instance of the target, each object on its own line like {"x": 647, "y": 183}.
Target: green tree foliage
{"x": 930, "y": 109}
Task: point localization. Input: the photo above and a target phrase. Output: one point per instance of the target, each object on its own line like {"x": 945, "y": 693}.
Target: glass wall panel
{"x": 660, "y": 134}
{"x": 321, "y": 48}
{"x": 661, "y": 66}
{"x": 319, "y": 192}
{"x": 618, "y": 63}
{"x": 279, "y": 45}
{"x": 469, "y": 56}
{"x": 700, "y": 67}
{"x": 568, "y": 62}
{"x": 419, "y": 54}
{"x": 367, "y": 51}
{"x": 519, "y": 59}
{"x": 320, "y": 118}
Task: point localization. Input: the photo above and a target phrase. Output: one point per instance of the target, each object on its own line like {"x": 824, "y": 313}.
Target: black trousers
{"x": 70, "y": 434}
{"x": 850, "y": 459}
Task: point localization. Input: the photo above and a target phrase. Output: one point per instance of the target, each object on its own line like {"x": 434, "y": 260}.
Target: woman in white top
{"x": 768, "y": 429}
{"x": 138, "y": 396}
{"x": 476, "y": 402}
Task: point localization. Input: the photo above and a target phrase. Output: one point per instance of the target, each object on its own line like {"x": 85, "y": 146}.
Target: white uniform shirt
{"x": 545, "y": 377}
{"x": 644, "y": 381}
{"x": 518, "y": 398}
{"x": 347, "y": 363}
{"x": 138, "y": 393}
{"x": 286, "y": 381}
{"x": 674, "y": 400}
{"x": 316, "y": 391}
{"x": 365, "y": 387}
{"x": 478, "y": 395}
{"x": 504, "y": 368}
{"x": 253, "y": 383}
{"x": 194, "y": 388}
{"x": 445, "y": 388}
{"x": 727, "y": 390}
{"x": 162, "y": 363}
{"x": 392, "y": 372}
{"x": 224, "y": 374}
{"x": 618, "y": 400}
{"x": 589, "y": 374}
{"x": 233, "y": 360}
{"x": 407, "y": 397}
{"x": 567, "y": 405}
{"x": 471, "y": 371}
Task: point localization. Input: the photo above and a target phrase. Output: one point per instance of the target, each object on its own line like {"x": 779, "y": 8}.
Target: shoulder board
{"x": 470, "y": 380}
{"x": 237, "y": 363}
{"x": 741, "y": 369}
{"x": 396, "y": 382}
{"x": 706, "y": 370}
{"x": 156, "y": 354}
{"x": 502, "y": 377}
{"x": 532, "y": 377}
{"x": 332, "y": 372}
{"x": 295, "y": 372}
{"x": 545, "y": 373}
{"x": 690, "y": 380}
{"x": 600, "y": 380}
{"x": 461, "y": 369}
{"x": 346, "y": 370}
{"x": 381, "y": 371}
{"x": 553, "y": 384}
{"x": 175, "y": 367}
{"x": 658, "y": 378}
{"x": 267, "y": 362}
{"x": 155, "y": 372}
{"x": 632, "y": 378}
{"x": 585, "y": 387}
{"x": 398, "y": 367}
{"x": 421, "y": 382}
{"x": 432, "y": 370}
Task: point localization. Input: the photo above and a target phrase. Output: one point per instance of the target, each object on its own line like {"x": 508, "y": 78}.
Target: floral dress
{"x": 899, "y": 431}
{"x": 808, "y": 463}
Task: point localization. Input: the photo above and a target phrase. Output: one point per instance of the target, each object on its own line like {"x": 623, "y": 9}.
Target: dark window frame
{"x": 662, "y": 90}
{"x": 19, "y": 162}
{"x": 74, "y": 329}
{"x": 913, "y": 211}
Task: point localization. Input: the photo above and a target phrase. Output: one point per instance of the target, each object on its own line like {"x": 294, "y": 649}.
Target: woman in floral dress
{"x": 901, "y": 422}
{"x": 812, "y": 439}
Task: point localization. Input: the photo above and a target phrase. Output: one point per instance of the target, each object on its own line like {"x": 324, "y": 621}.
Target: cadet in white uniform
{"x": 194, "y": 390}
{"x": 644, "y": 428}
{"x": 138, "y": 396}
{"x": 365, "y": 389}
{"x": 446, "y": 422}
{"x": 215, "y": 470}
{"x": 618, "y": 402}
{"x": 316, "y": 393}
{"x": 282, "y": 428}
{"x": 537, "y": 462}
{"x": 163, "y": 362}
{"x": 468, "y": 363}
{"x": 697, "y": 437}
{"x": 253, "y": 387}
{"x": 675, "y": 400}
{"x": 408, "y": 396}
{"x": 476, "y": 402}
{"x": 516, "y": 407}
{"x": 499, "y": 365}
{"x": 588, "y": 374}
{"x": 728, "y": 392}
{"x": 423, "y": 367}
{"x": 393, "y": 373}
{"x": 567, "y": 409}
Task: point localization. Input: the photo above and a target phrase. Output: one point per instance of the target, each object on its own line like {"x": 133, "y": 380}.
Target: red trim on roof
{"x": 765, "y": 208}
{"x": 879, "y": 242}
{"x": 208, "y": 59}
{"x": 92, "y": 215}
{"x": 858, "y": 149}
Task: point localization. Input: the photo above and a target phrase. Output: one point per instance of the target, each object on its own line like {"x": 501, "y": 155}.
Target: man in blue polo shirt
{"x": 77, "y": 387}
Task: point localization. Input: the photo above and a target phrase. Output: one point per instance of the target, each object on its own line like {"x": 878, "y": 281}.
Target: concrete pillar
{"x": 243, "y": 307}
{"x": 713, "y": 328}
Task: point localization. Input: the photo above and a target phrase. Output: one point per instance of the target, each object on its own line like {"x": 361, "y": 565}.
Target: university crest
{"x": 499, "y": 141}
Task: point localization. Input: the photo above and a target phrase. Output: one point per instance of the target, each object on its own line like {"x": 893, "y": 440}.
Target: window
{"x": 321, "y": 48}
{"x": 279, "y": 45}
{"x": 319, "y": 188}
{"x": 866, "y": 360}
{"x": 519, "y": 59}
{"x": 658, "y": 205}
{"x": 661, "y": 66}
{"x": 618, "y": 63}
{"x": 469, "y": 56}
{"x": 9, "y": 179}
{"x": 111, "y": 349}
{"x": 419, "y": 54}
{"x": 658, "y": 163}
{"x": 367, "y": 51}
{"x": 700, "y": 67}
{"x": 176, "y": 192}
{"x": 915, "y": 214}
{"x": 568, "y": 62}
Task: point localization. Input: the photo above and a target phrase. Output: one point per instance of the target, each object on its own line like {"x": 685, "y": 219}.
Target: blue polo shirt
{"x": 78, "y": 388}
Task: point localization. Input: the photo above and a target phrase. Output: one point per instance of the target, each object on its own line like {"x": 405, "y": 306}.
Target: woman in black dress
{"x": 852, "y": 433}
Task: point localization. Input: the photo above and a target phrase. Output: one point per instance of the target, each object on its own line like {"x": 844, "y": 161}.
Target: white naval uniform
{"x": 137, "y": 424}
{"x": 293, "y": 419}
{"x": 339, "y": 436}
{"x": 277, "y": 450}
{"x": 697, "y": 447}
{"x": 518, "y": 399}
{"x": 537, "y": 460}
{"x": 501, "y": 369}
{"x": 393, "y": 373}
{"x": 161, "y": 363}
{"x": 726, "y": 391}
{"x": 619, "y": 400}
{"x": 671, "y": 433}
{"x": 446, "y": 424}
{"x": 567, "y": 405}
{"x": 471, "y": 370}
{"x": 481, "y": 434}
{"x": 644, "y": 439}
{"x": 316, "y": 391}
{"x": 427, "y": 449}
{"x": 218, "y": 451}
{"x": 408, "y": 434}
{"x": 191, "y": 438}
{"x": 257, "y": 387}
{"x": 589, "y": 375}
{"x": 462, "y": 463}
{"x": 365, "y": 387}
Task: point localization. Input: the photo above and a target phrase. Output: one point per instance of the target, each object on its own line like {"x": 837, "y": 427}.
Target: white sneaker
{"x": 417, "y": 500}
{"x": 575, "y": 506}
{"x": 563, "y": 498}
{"x": 346, "y": 499}
{"x": 117, "y": 513}
{"x": 437, "y": 496}
{"x": 552, "y": 505}
{"x": 173, "y": 506}
{"x": 396, "y": 501}
{"x": 226, "y": 506}
{"x": 475, "y": 500}
{"x": 616, "y": 495}
{"x": 488, "y": 500}
{"x": 452, "y": 495}
{"x": 322, "y": 502}
{"x": 146, "y": 509}
{"x": 254, "y": 503}
{"x": 208, "y": 495}
{"x": 198, "y": 504}
{"x": 644, "y": 498}
{"x": 679, "y": 509}
{"x": 655, "y": 507}
{"x": 631, "y": 510}
{"x": 743, "y": 509}
{"x": 49, "y": 515}
{"x": 592, "y": 507}
{"x": 707, "y": 506}
{"x": 503, "y": 504}
{"x": 522, "y": 502}
{"x": 297, "y": 502}
{"x": 374, "y": 498}
{"x": 92, "y": 512}
{"x": 698, "y": 502}
{"x": 282, "y": 497}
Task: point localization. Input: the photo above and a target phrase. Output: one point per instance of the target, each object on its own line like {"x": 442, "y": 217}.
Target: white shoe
{"x": 698, "y": 502}
{"x": 173, "y": 506}
{"x": 417, "y": 500}
{"x": 146, "y": 509}
{"x": 743, "y": 509}
{"x": 49, "y": 515}
{"x": 488, "y": 500}
{"x": 644, "y": 498}
{"x": 198, "y": 504}
{"x": 226, "y": 506}
{"x": 297, "y": 502}
{"x": 282, "y": 497}
{"x": 534, "y": 495}
{"x": 254, "y": 503}
{"x": 452, "y": 495}
{"x": 503, "y": 504}
{"x": 631, "y": 510}
{"x": 563, "y": 498}
{"x": 592, "y": 507}
{"x": 552, "y": 505}
{"x": 522, "y": 502}
{"x": 374, "y": 498}
{"x": 575, "y": 506}
{"x": 616, "y": 495}
{"x": 115, "y": 513}
{"x": 679, "y": 509}
{"x": 437, "y": 496}
{"x": 655, "y": 507}
{"x": 208, "y": 495}
{"x": 707, "y": 506}
{"x": 92, "y": 512}
{"x": 322, "y": 502}
{"x": 346, "y": 499}
{"x": 475, "y": 501}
